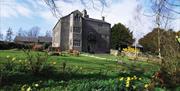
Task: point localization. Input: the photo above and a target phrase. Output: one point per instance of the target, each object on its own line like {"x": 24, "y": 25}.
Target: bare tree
{"x": 33, "y": 32}
{"x": 21, "y": 32}
{"x": 48, "y": 34}
{"x": 164, "y": 11}
{"x": 1, "y": 36}
{"x": 56, "y": 12}
{"x": 9, "y": 34}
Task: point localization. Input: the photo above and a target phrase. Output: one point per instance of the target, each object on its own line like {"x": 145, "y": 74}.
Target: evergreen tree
{"x": 120, "y": 36}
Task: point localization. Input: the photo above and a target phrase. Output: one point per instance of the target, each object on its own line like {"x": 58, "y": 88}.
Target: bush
{"x": 38, "y": 47}
{"x": 74, "y": 52}
{"x": 13, "y": 45}
{"x": 37, "y": 63}
{"x": 168, "y": 75}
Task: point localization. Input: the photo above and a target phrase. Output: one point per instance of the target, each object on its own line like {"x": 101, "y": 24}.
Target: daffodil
{"x": 128, "y": 78}
{"x": 140, "y": 78}
{"x": 7, "y": 56}
{"x": 36, "y": 85}
{"x": 135, "y": 77}
{"x": 121, "y": 78}
{"x": 20, "y": 60}
{"x": 132, "y": 78}
{"x": 13, "y": 58}
{"x": 54, "y": 63}
{"x": 127, "y": 85}
{"x": 146, "y": 85}
{"x": 28, "y": 89}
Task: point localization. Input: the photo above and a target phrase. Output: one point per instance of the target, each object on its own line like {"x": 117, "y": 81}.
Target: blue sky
{"x": 28, "y": 13}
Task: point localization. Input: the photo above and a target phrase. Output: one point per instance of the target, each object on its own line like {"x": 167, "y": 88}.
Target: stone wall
{"x": 56, "y": 35}
{"x": 101, "y": 32}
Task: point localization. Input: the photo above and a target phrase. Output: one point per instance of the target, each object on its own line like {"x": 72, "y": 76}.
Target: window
{"x": 76, "y": 17}
{"x": 103, "y": 36}
{"x": 76, "y": 42}
{"x": 77, "y": 29}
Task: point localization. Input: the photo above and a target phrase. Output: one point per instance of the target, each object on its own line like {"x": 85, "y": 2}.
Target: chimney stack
{"x": 103, "y": 18}
{"x": 84, "y": 13}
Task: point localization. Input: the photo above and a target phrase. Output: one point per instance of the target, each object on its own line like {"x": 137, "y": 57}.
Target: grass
{"x": 90, "y": 71}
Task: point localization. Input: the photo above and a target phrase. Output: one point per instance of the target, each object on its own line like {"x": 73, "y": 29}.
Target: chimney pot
{"x": 103, "y": 18}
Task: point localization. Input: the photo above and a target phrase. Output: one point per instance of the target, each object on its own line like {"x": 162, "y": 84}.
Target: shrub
{"x": 9, "y": 63}
{"x": 168, "y": 75}
{"x": 37, "y": 63}
{"x": 38, "y": 47}
{"x": 74, "y": 52}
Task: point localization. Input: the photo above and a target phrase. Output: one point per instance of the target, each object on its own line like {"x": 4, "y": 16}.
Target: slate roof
{"x": 95, "y": 20}
{"x": 25, "y": 39}
{"x": 32, "y": 39}
{"x": 44, "y": 39}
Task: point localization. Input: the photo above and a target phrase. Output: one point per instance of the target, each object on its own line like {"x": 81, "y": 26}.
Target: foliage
{"x": 11, "y": 45}
{"x": 131, "y": 50}
{"x": 120, "y": 36}
{"x": 46, "y": 45}
{"x": 36, "y": 62}
{"x": 74, "y": 52}
{"x": 170, "y": 51}
{"x": 77, "y": 73}
{"x": 167, "y": 39}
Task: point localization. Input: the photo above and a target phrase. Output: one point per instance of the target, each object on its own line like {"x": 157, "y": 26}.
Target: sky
{"x": 28, "y": 13}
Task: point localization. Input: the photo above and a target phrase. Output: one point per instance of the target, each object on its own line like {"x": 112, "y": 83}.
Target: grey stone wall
{"x": 65, "y": 33}
{"x": 100, "y": 33}
{"x": 56, "y": 35}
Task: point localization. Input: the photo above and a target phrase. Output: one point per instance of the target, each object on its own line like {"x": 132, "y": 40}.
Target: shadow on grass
{"x": 50, "y": 79}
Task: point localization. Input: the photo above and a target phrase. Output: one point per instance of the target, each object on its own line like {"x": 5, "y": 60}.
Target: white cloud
{"x": 118, "y": 11}
{"x": 11, "y": 8}
{"x": 48, "y": 16}
{"x": 23, "y": 10}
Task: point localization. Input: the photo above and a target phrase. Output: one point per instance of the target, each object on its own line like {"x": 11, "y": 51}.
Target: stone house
{"x": 79, "y": 32}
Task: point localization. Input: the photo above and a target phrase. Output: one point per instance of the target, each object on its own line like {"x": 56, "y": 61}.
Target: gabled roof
{"x": 89, "y": 19}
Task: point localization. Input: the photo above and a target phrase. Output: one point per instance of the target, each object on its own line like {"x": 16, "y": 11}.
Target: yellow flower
{"x": 128, "y": 78}
{"x": 7, "y": 56}
{"x": 146, "y": 85}
{"x": 36, "y": 85}
{"x": 121, "y": 78}
{"x": 80, "y": 68}
{"x": 20, "y": 60}
{"x": 127, "y": 85}
{"x": 135, "y": 77}
{"x": 140, "y": 78}
{"x": 28, "y": 89}
{"x": 13, "y": 58}
{"x": 132, "y": 78}
{"x": 54, "y": 63}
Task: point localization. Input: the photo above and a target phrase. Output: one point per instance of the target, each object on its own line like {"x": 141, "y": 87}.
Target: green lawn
{"x": 89, "y": 71}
